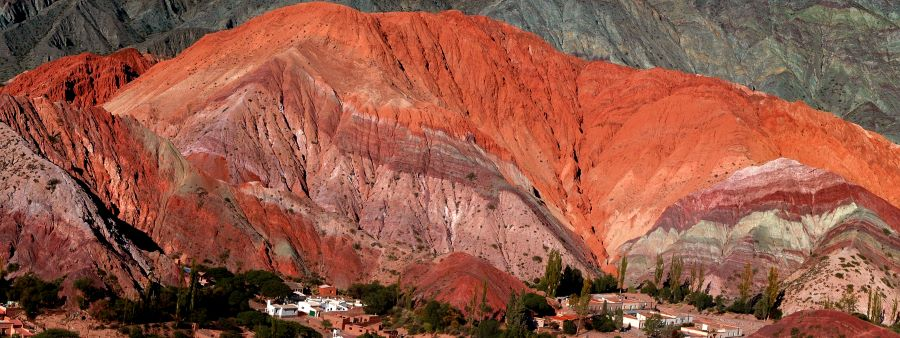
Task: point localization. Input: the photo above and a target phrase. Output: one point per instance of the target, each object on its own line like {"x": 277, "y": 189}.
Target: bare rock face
{"x": 52, "y": 227}
{"x": 801, "y": 220}
{"x": 457, "y": 277}
{"x": 456, "y": 131}
{"x": 162, "y": 208}
{"x": 823, "y": 323}
{"x": 83, "y": 80}
{"x": 405, "y": 162}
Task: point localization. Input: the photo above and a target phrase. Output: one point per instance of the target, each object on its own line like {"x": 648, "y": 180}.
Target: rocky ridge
{"x": 838, "y": 56}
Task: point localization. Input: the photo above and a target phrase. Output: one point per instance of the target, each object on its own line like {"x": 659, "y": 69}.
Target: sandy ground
{"x": 77, "y": 322}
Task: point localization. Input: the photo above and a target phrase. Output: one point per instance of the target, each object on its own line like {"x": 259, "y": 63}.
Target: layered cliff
{"x": 806, "y": 222}
{"x": 838, "y": 56}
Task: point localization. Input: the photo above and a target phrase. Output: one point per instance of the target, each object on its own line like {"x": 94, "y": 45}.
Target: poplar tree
{"x": 552, "y": 274}
{"x": 746, "y": 283}
{"x": 623, "y": 267}
{"x": 875, "y": 307}
{"x": 658, "y": 274}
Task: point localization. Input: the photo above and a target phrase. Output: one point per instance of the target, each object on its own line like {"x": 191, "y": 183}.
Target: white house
{"x": 281, "y": 310}
{"x": 637, "y": 319}
{"x": 309, "y": 309}
{"x": 703, "y": 328}
{"x": 335, "y": 305}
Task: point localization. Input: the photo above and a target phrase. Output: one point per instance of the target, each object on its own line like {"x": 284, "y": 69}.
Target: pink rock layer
{"x": 782, "y": 214}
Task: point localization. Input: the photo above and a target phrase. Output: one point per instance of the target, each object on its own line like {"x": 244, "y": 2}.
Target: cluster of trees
{"x": 33, "y": 293}
{"x": 222, "y": 304}
{"x": 561, "y": 282}
{"x": 379, "y": 299}
{"x": 520, "y": 312}
{"x": 677, "y": 289}
{"x": 875, "y": 310}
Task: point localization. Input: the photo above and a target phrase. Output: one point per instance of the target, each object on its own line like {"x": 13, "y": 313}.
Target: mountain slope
{"x": 823, "y": 323}
{"x": 83, "y": 80}
{"x": 838, "y": 56}
{"x": 785, "y": 215}
{"x": 590, "y": 146}
{"x": 319, "y": 140}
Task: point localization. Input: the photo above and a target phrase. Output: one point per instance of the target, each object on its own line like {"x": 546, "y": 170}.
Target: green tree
{"x": 746, "y": 283}
{"x": 875, "y": 311}
{"x": 848, "y": 301}
{"x": 583, "y": 301}
{"x": 379, "y": 299}
{"x": 552, "y": 273}
{"x": 35, "y": 294}
{"x": 676, "y": 267}
{"x": 604, "y": 283}
{"x": 895, "y": 314}
{"x": 570, "y": 283}
{"x": 658, "y": 274}
{"x": 653, "y": 326}
{"x": 569, "y": 327}
{"x": 438, "y": 316}
{"x": 284, "y": 329}
{"x": 623, "y": 267}
{"x": 516, "y": 316}
{"x": 537, "y": 304}
{"x": 766, "y": 305}
{"x": 488, "y": 328}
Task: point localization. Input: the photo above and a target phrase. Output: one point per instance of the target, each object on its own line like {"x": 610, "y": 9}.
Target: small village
{"x": 214, "y": 302}
{"x": 346, "y": 318}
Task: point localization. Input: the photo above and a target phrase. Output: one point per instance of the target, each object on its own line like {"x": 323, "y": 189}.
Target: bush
{"x": 701, "y": 301}
{"x": 437, "y": 316}
{"x": 35, "y": 294}
{"x": 252, "y": 318}
{"x": 538, "y": 305}
{"x": 569, "y": 327}
{"x": 488, "y": 329}
{"x": 605, "y": 283}
{"x": 603, "y": 323}
{"x": 379, "y": 299}
{"x": 56, "y": 333}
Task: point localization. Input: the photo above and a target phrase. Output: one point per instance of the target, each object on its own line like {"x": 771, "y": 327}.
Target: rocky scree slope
{"x": 838, "y": 56}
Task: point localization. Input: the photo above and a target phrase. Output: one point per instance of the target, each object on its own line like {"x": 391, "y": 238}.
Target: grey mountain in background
{"x": 841, "y": 56}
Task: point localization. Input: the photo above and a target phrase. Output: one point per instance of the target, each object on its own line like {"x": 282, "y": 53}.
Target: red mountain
{"x": 83, "y": 80}
{"x": 316, "y": 139}
{"x": 823, "y": 323}
{"x": 600, "y": 149}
